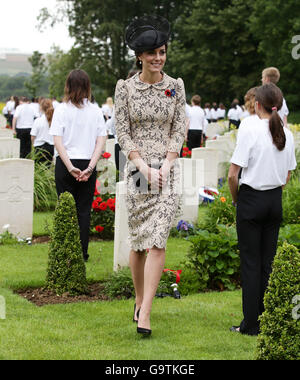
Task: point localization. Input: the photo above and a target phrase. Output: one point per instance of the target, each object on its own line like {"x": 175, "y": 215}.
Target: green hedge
{"x": 280, "y": 327}
{"x": 66, "y": 271}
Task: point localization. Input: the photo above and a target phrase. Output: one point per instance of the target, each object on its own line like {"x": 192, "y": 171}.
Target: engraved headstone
{"x": 121, "y": 244}
{"x": 9, "y": 148}
{"x": 16, "y": 196}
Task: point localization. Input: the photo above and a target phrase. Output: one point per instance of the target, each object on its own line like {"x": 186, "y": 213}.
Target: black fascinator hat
{"x": 147, "y": 33}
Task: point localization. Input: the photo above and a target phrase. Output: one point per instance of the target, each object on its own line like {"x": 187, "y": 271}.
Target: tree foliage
{"x": 34, "y": 83}
{"x": 219, "y": 47}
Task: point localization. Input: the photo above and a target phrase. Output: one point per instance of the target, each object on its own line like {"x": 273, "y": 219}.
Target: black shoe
{"x": 144, "y": 332}
{"x": 137, "y": 314}
{"x": 235, "y": 329}
{"x": 86, "y": 257}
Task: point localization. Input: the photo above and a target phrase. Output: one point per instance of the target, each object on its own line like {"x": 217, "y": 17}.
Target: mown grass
{"x": 194, "y": 327}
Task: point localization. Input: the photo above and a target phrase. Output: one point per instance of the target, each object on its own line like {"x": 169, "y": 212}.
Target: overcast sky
{"x": 18, "y": 27}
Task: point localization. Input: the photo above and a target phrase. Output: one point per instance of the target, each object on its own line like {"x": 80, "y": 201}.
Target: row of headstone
{"x": 215, "y": 129}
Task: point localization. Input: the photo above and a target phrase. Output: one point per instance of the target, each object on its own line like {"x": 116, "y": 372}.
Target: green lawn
{"x": 194, "y": 327}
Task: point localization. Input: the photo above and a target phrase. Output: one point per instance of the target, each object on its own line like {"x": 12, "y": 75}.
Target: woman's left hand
{"x": 164, "y": 173}
{"x": 84, "y": 176}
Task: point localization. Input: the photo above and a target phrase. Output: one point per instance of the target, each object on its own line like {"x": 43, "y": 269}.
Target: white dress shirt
{"x": 79, "y": 127}
{"x": 264, "y": 166}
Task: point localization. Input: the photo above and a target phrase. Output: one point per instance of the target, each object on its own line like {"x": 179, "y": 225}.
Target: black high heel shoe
{"x": 137, "y": 314}
{"x": 144, "y": 332}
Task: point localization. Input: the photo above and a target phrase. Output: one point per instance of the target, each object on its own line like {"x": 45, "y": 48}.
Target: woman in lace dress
{"x": 150, "y": 125}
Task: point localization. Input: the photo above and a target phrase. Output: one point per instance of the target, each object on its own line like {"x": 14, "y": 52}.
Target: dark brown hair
{"x": 271, "y": 99}
{"x": 47, "y": 107}
{"x": 139, "y": 64}
{"x": 77, "y": 87}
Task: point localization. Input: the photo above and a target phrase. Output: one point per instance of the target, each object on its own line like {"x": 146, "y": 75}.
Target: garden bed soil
{"x": 42, "y": 296}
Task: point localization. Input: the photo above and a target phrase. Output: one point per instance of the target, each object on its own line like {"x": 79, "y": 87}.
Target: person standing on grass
{"x": 196, "y": 125}
{"x": 265, "y": 151}
{"x": 79, "y": 134}
{"x": 22, "y": 124}
{"x": 272, "y": 75}
{"x": 150, "y": 125}
{"x": 40, "y": 136}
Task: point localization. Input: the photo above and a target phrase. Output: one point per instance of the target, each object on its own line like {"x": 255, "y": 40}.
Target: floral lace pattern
{"x": 152, "y": 123}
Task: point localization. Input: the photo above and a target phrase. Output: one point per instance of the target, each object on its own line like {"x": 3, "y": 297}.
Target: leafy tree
{"x": 214, "y": 51}
{"x": 34, "y": 83}
{"x": 275, "y": 23}
{"x": 98, "y": 27}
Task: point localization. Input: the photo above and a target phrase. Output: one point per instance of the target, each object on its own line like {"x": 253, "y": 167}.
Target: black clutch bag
{"x": 140, "y": 182}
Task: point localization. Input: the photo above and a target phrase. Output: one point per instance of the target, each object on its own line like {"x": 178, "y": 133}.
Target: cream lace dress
{"x": 150, "y": 119}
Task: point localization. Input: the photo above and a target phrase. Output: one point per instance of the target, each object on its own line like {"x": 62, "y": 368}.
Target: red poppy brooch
{"x": 170, "y": 93}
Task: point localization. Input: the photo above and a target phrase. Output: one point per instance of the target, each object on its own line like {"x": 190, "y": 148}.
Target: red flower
{"x": 185, "y": 149}
{"x": 103, "y": 206}
{"x": 184, "y": 154}
{"x": 168, "y": 93}
{"x": 113, "y": 208}
{"x": 106, "y": 155}
{"x": 189, "y": 152}
{"x": 110, "y": 202}
{"x": 99, "y": 228}
{"x": 96, "y": 203}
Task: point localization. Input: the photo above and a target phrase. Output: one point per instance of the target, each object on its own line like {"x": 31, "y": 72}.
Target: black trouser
{"x": 259, "y": 214}
{"x": 44, "y": 153}
{"x": 25, "y": 141}
{"x": 236, "y": 123}
{"x": 120, "y": 160}
{"x": 83, "y": 193}
{"x": 194, "y": 138}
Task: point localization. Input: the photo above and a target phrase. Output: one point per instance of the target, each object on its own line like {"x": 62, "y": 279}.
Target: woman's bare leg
{"x": 137, "y": 264}
{"x": 153, "y": 271}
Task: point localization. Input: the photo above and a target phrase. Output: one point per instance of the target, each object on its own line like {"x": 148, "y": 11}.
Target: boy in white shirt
{"x": 272, "y": 75}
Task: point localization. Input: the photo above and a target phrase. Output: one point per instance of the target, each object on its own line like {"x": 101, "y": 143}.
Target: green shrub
{"x": 220, "y": 211}
{"x": 66, "y": 270}
{"x": 291, "y": 202}
{"x": 280, "y": 329}
{"x": 119, "y": 284}
{"x": 215, "y": 258}
{"x": 291, "y": 234}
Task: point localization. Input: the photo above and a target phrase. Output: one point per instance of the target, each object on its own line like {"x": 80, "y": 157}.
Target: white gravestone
{"x": 3, "y": 121}
{"x": 223, "y": 147}
{"x": 7, "y": 133}
{"x": 110, "y": 148}
{"x": 211, "y": 161}
{"x": 16, "y": 196}
{"x": 191, "y": 179}
{"x": 121, "y": 244}
{"x": 9, "y": 148}
{"x": 214, "y": 129}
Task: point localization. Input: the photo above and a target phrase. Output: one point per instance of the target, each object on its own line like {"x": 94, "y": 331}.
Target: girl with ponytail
{"x": 266, "y": 155}
{"x": 40, "y": 137}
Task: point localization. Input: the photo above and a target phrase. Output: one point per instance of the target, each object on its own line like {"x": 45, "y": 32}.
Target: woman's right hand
{"x": 151, "y": 175}
{"x": 75, "y": 172}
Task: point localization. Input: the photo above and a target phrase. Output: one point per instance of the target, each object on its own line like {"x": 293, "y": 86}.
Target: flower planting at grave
{"x": 103, "y": 214}
{"x": 186, "y": 153}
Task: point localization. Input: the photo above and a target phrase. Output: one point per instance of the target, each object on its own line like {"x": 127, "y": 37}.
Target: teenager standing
{"x": 79, "y": 134}
{"x": 22, "y": 124}
{"x": 265, "y": 151}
